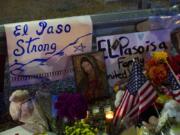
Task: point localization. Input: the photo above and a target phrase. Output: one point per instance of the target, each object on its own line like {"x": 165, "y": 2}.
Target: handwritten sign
{"x": 42, "y": 49}
{"x": 119, "y": 50}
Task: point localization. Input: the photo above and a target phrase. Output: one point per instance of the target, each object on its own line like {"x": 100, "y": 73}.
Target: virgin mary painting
{"x": 90, "y": 74}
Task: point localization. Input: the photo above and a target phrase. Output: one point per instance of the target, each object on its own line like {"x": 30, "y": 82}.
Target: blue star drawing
{"x": 80, "y": 48}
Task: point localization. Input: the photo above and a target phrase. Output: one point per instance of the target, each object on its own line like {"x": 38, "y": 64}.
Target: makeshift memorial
{"x": 25, "y": 108}
{"x": 90, "y": 74}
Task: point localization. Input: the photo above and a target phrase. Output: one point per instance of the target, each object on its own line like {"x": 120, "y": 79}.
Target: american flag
{"x": 174, "y": 86}
{"x": 138, "y": 96}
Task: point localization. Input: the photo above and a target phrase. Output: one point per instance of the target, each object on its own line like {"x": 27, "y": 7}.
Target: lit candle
{"x": 109, "y": 116}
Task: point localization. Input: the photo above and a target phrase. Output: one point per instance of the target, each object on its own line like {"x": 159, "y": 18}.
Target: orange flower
{"x": 158, "y": 74}
{"x": 150, "y": 63}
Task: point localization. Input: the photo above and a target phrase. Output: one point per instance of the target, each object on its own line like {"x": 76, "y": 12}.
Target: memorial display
{"x": 63, "y": 80}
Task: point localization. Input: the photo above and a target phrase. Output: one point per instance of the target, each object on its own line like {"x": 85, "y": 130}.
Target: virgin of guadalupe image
{"x": 91, "y": 78}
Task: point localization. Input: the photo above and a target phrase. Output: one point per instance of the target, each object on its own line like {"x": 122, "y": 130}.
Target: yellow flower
{"x": 116, "y": 88}
{"x": 160, "y": 55}
{"x": 162, "y": 99}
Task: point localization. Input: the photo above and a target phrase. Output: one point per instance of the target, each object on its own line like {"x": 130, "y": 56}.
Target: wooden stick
{"x": 173, "y": 73}
{"x": 156, "y": 110}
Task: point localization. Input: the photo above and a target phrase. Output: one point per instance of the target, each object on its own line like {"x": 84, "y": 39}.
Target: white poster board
{"x": 119, "y": 50}
{"x": 41, "y": 49}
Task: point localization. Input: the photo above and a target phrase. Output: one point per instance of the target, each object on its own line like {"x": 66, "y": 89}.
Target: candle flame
{"x": 109, "y": 115}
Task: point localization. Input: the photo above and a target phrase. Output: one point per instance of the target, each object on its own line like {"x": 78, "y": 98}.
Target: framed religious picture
{"x": 90, "y": 75}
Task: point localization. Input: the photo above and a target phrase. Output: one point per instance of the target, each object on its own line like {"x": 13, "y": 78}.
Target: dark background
{"x": 27, "y": 10}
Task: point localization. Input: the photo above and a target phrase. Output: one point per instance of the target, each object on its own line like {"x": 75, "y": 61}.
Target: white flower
{"x": 119, "y": 95}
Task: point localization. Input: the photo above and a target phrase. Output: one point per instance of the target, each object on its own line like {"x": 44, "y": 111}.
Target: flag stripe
{"x": 145, "y": 95}
{"x": 177, "y": 98}
{"x": 117, "y": 114}
{"x": 122, "y": 101}
{"x": 134, "y": 110}
{"x": 148, "y": 102}
{"x": 176, "y": 95}
{"x": 130, "y": 102}
{"x": 126, "y": 105}
{"x": 174, "y": 88}
{"x": 136, "y": 101}
{"x": 177, "y": 92}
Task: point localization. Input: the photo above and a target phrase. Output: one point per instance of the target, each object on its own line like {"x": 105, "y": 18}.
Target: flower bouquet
{"x": 167, "y": 121}
{"x": 156, "y": 68}
{"x": 160, "y": 71}
{"x": 70, "y": 107}
{"x": 80, "y": 128}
